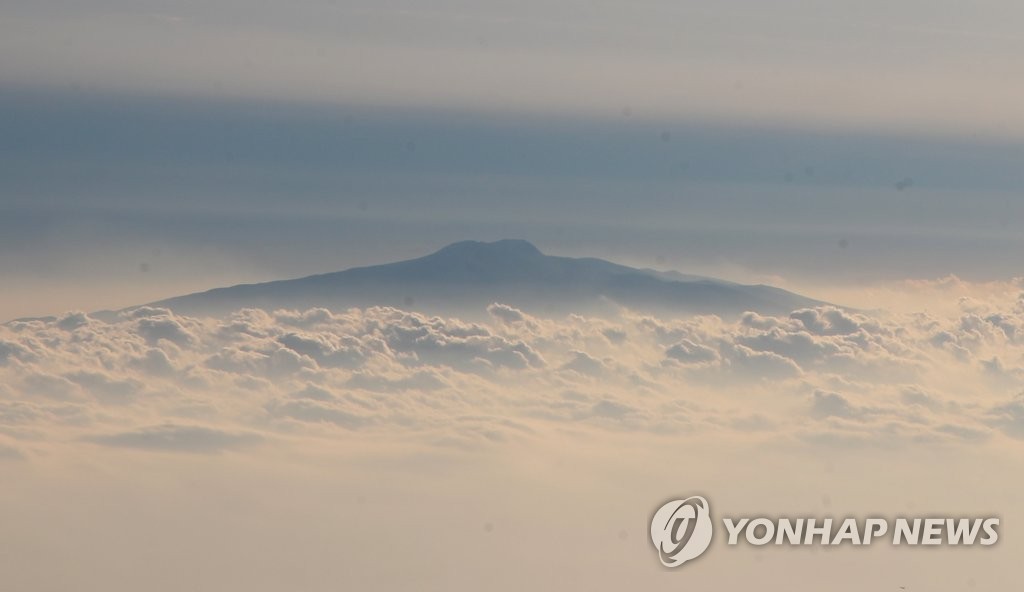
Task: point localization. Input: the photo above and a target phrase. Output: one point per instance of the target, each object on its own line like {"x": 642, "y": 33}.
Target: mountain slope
{"x": 463, "y": 278}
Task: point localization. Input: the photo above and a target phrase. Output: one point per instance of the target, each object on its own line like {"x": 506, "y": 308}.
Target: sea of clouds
{"x": 152, "y": 380}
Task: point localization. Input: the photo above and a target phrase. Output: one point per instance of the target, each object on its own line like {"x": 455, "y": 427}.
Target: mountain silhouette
{"x": 464, "y": 278}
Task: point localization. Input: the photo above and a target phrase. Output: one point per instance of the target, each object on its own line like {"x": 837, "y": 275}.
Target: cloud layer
{"x": 155, "y": 381}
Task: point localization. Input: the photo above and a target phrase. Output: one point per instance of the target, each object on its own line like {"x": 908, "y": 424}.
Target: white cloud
{"x": 261, "y": 429}
{"x": 822, "y": 375}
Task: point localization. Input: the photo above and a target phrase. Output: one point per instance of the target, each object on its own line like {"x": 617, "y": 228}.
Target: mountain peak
{"x": 467, "y": 276}
{"x": 508, "y": 248}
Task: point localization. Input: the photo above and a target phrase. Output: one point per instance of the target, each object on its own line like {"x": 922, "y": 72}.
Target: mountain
{"x": 464, "y": 278}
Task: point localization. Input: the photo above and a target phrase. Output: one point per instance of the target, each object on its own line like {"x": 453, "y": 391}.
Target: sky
{"x": 863, "y": 153}
{"x": 163, "y": 148}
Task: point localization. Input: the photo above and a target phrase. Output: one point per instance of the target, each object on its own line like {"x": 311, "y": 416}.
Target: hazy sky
{"x": 163, "y": 147}
{"x": 856, "y": 151}
{"x": 907, "y": 64}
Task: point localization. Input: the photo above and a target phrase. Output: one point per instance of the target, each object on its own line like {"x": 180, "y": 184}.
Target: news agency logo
{"x": 681, "y": 531}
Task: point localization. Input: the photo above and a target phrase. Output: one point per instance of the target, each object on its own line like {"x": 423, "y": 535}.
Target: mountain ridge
{"x": 464, "y": 277}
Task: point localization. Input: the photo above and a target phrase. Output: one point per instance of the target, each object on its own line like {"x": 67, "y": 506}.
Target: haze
{"x": 866, "y": 154}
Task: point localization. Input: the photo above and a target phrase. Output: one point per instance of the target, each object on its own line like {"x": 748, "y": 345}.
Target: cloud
{"x": 612, "y": 409}
{"x": 73, "y": 320}
{"x": 688, "y": 352}
{"x": 315, "y": 411}
{"x": 752, "y": 363}
{"x": 821, "y": 375}
{"x": 154, "y": 324}
{"x": 105, "y": 387}
{"x": 583, "y": 363}
{"x": 420, "y": 380}
{"x": 177, "y": 438}
{"x": 826, "y": 321}
{"x": 833, "y": 405}
{"x": 12, "y": 351}
{"x": 506, "y": 313}
{"x": 1009, "y": 418}
{"x": 8, "y": 453}
{"x": 155, "y": 362}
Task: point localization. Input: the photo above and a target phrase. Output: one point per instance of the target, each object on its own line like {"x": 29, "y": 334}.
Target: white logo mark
{"x": 681, "y": 530}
